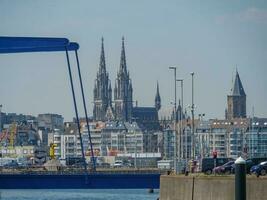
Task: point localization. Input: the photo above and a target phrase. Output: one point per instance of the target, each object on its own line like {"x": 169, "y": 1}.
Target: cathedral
{"x": 121, "y": 109}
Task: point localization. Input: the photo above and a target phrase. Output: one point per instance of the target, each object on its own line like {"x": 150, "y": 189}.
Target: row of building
{"x": 117, "y": 127}
{"x": 230, "y": 138}
{"x": 108, "y": 139}
{"x": 245, "y": 137}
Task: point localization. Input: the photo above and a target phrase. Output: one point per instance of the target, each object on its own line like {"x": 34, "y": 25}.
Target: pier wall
{"x": 209, "y": 188}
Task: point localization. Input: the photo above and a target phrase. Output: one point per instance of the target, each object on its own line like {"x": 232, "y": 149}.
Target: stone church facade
{"x": 121, "y": 109}
{"x": 236, "y": 101}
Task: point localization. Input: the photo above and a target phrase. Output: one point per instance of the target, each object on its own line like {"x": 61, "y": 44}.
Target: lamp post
{"x": 202, "y": 149}
{"x": 135, "y": 151}
{"x": 1, "y": 118}
{"x": 192, "y": 112}
{"x": 1, "y": 132}
{"x": 174, "y": 122}
{"x": 181, "y": 119}
{"x": 181, "y": 135}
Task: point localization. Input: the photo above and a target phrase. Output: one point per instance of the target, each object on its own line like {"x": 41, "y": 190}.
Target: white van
{"x": 118, "y": 163}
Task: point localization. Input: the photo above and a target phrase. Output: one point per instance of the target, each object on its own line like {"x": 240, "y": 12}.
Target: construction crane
{"x": 52, "y": 151}
{"x": 13, "y": 132}
{"x": 3, "y": 135}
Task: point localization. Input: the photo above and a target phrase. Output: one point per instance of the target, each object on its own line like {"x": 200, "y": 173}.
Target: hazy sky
{"x": 208, "y": 37}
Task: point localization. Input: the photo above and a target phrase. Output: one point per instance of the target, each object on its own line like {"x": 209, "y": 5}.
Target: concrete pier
{"x": 209, "y": 188}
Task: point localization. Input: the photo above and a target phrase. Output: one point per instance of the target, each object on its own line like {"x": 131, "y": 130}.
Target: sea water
{"x": 78, "y": 194}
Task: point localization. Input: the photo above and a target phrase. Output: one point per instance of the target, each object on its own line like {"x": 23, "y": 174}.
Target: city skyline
{"x": 209, "y": 39}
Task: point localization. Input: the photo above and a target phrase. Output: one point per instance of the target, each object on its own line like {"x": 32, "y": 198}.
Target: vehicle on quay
{"x": 118, "y": 163}
{"x": 250, "y": 163}
{"x": 260, "y": 169}
{"x": 74, "y": 161}
{"x": 224, "y": 169}
{"x": 12, "y": 164}
{"x": 5, "y": 161}
{"x": 103, "y": 165}
{"x": 208, "y": 164}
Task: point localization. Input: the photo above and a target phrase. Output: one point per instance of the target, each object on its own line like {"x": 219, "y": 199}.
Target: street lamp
{"x": 174, "y": 122}
{"x": 1, "y": 118}
{"x": 1, "y": 132}
{"x": 192, "y": 111}
{"x": 202, "y": 138}
{"x": 181, "y": 119}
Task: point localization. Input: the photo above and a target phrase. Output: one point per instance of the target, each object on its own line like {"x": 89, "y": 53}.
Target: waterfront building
{"x": 95, "y": 132}
{"x": 226, "y": 137}
{"x": 49, "y": 121}
{"x": 121, "y": 137}
{"x": 168, "y": 144}
{"x": 203, "y": 139}
{"x": 236, "y": 142}
{"x": 218, "y": 140}
{"x": 25, "y": 135}
{"x": 7, "y": 120}
{"x": 55, "y": 137}
{"x": 185, "y": 144}
{"x": 256, "y": 138}
{"x": 17, "y": 151}
{"x": 126, "y": 137}
{"x": 68, "y": 141}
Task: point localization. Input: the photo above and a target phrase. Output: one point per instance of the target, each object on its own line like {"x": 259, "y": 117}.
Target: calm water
{"x": 78, "y": 194}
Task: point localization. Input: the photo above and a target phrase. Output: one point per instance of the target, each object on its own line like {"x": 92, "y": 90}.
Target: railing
{"x": 80, "y": 171}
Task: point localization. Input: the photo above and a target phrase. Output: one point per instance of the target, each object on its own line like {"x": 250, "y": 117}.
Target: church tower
{"x": 157, "y": 99}
{"x": 236, "y": 101}
{"x": 102, "y": 89}
{"x": 123, "y": 91}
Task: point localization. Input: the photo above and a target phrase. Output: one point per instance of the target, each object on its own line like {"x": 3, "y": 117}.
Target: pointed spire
{"x": 102, "y": 64}
{"x": 157, "y": 98}
{"x": 130, "y": 86}
{"x": 237, "y": 89}
{"x": 179, "y": 111}
{"x": 157, "y": 88}
{"x": 109, "y": 94}
{"x": 109, "y": 86}
{"x": 123, "y": 67}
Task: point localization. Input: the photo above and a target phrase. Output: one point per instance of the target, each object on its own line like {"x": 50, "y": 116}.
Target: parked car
{"x": 249, "y": 164}
{"x": 118, "y": 163}
{"x": 12, "y": 164}
{"x": 104, "y": 165}
{"x": 224, "y": 169}
{"x": 261, "y": 169}
{"x": 207, "y": 164}
{"x": 253, "y": 169}
{"x": 75, "y": 161}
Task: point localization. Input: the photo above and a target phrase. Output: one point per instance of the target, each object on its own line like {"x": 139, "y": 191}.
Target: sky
{"x": 211, "y": 38}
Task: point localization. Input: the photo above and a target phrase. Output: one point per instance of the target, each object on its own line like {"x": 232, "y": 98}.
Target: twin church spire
{"x": 123, "y": 91}
{"x": 102, "y": 90}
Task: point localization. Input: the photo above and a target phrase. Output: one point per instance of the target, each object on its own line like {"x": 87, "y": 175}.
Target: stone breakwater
{"x": 209, "y": 188}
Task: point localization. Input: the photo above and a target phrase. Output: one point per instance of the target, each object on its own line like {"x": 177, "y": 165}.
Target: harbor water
{"x": 78, "y": 194}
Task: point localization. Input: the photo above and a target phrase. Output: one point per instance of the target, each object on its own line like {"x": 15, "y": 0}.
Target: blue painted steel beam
{"x": 80, "y": 181}
{"x": 30, "y": 44}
